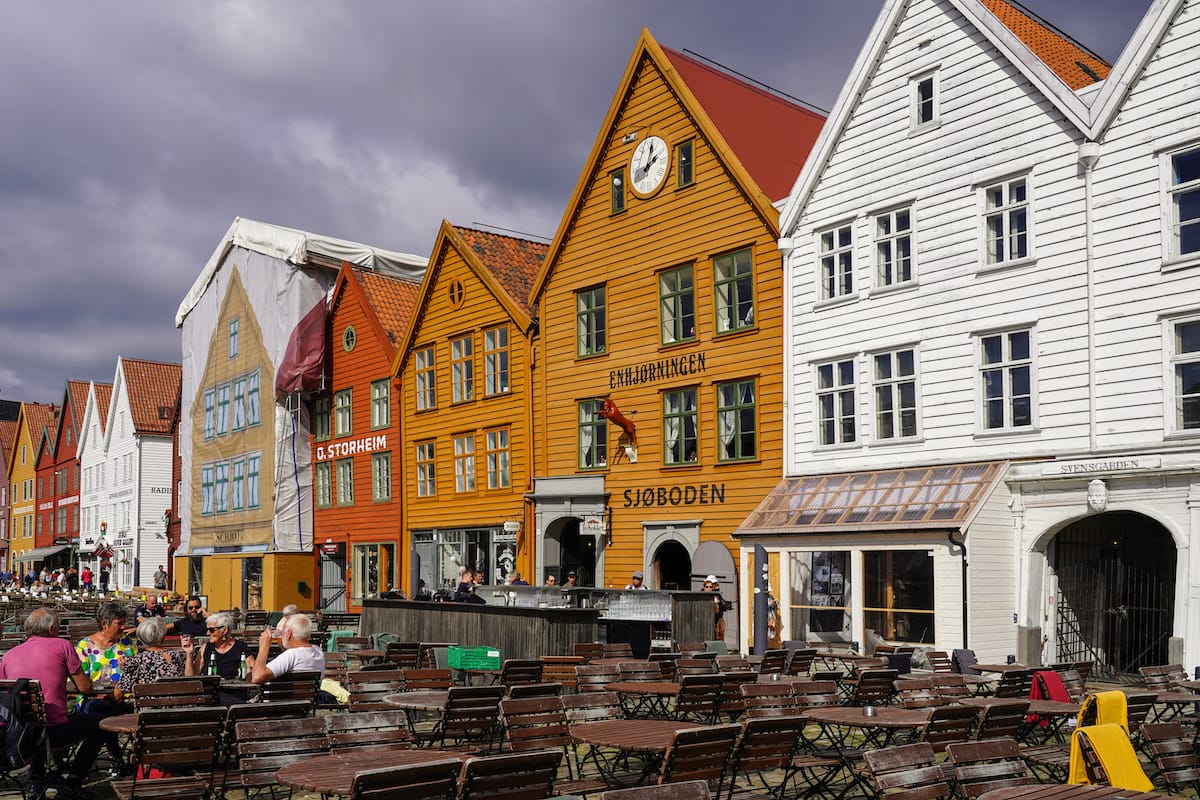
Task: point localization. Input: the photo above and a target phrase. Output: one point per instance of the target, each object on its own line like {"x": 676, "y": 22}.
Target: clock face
{"x": 649, "y": 165}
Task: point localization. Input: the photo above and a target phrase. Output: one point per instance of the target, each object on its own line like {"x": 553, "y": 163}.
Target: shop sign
{"x": 330, "y": 547}
{"x": 123, "y": 541}
{"x": 703, "y": 494}
{"x": 160, "y": 490}
{"x": 364, "y": 444}
{"x": 593, "y": 524}
{"x": 1102, "y": 465}
{"x": 660, "y": 370}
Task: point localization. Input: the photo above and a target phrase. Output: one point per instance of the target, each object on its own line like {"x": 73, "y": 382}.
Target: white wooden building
{"x": 94, "y": 507}
{"x": 989, "y": 340}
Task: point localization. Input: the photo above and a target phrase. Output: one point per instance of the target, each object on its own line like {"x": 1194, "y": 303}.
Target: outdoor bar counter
{"x": 531, "y": 621}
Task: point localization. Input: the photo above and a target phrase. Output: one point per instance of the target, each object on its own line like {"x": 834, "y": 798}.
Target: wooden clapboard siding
{"x": 436, "y": 324}
{"x": 993, "y": 584}
{"x": 366, "y": 520}
{"x": 991, "y": 118}
{"x": 626, "y": 252}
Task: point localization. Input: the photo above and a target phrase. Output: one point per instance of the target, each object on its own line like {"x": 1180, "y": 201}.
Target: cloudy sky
{"x": 135, "y": 131}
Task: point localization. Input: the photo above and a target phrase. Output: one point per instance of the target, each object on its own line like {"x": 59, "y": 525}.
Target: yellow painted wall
{"x": 222, "y": 581}
{"x": 625, "y": 252}
{"x": 22, "y": 468}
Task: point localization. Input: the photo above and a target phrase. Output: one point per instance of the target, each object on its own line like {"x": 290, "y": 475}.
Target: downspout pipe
{"x": 961, "y": 544}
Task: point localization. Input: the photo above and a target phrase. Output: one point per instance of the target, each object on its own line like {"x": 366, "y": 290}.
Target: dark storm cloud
{"x": 136, "y": 131}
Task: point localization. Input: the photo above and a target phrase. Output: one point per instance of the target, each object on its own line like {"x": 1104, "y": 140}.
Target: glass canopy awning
{"x": 945, "y": 497}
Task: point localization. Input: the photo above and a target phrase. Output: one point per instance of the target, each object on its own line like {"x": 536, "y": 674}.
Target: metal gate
{"x": 333, "y": 579}
{"x": 1116, "y": 592}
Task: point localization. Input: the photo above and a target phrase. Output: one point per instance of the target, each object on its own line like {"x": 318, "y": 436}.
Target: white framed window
{"x": 498, "y": 476}
{"x": 237, "y": 487}
{"x": 221, "y": 490}
{"x": 737, "y": 420}
{"x": 223, "y": 409}
{"x": 1007, "y": 236}
{"x": 924, "y": 98}
{"x": 893, "y": 232}
{"x": 253, "y": 468}
{"x": 239, "y": 404}
{"x": 462, "y": 369}
{"x": 464, "y": 463}
{"x": 206, "y": 489}
{"x": 836, "y": 402}
{"x": 680, "y": 424}
{"x": 426, "y": 470}
{"x": 1183, "y": 190}
{"x": 837, "y": 262}
{"x": 233, "y": 337}
{"x": 381, "y": 403}
{"x": 253, "y": 408}
{"x": 320, "y": 421}
{"x": 590, "y": 322}
{"x": 324, "y": 484}
{"x": 677, "y": 304}
{"x": 1185, "y": 368}
{"x": 424, "y": 377}
{"x": 210, "y": 425}
{"x": 733, "y": 290}
{"x": 1007, "y": 379}
{"x": 381, "y": 477}
{"x": 345, "y": 481}
{"x": 343, "y": 412}
{"x": 495, "y": 360}
{"x": 894, "y": 389}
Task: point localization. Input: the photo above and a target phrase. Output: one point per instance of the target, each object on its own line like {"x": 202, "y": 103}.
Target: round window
{"x": 349, "y": 338}
{"x": 456, "y": 293}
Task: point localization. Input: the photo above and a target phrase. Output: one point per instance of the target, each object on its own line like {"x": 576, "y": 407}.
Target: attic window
{"x": 349, "y": 338}
{"x": 455, "y": 294}
{"x": 924, "y": 101}
{"x": 684, "y": 167}
{"x": 164, "y": 412}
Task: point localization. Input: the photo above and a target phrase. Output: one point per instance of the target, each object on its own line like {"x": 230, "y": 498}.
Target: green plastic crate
{"x": 473, "y": 657}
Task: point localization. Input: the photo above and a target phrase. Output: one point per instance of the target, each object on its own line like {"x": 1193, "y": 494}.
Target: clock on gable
{"x": 648, "y": 166}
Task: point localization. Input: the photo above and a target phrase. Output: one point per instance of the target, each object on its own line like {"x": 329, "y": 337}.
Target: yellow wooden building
{"x": 464, "y": 366}
{"x": 33, "y": 420}
{"x": 658, "y": 371}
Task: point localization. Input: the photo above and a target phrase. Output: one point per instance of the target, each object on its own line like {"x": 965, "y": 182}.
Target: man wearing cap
{"x": 637, "y": 581}
{"x": 711, "y": 584}
{"x": 571, "y": 578}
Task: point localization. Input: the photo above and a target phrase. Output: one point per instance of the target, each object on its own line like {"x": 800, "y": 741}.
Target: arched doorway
{"x": 568, "y": 550}
{"x": 1116, "y": 591}
{"x": 673, "y": 567}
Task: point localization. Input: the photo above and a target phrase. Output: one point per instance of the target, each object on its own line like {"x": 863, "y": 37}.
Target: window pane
{"x": 1187, "y": 166}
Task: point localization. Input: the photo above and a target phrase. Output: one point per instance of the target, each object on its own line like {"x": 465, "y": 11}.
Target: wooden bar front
{"x": 517, "y": 632}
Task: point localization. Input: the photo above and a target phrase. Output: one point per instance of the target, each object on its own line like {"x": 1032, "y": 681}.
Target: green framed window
{"x": 593, "y": 435}
{"x": 590, "y": 321}
{"x": 737, "y": 421}
{"x": 679, "y": 427}
{"x": 733, "y": 290}
{"x": 677, "y": 304}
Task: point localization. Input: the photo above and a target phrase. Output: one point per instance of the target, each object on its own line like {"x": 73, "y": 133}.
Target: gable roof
{"x": 767, "y": 131}
{"x": 1138, "y": 52}
{"x": 38, "y": 417}
{"x": 756, "y": 135}
{"x": 75, "y": 396}
{"x": 392, "y": 300}
{"x": 1005, "y": 39}
{"x": 1075, "y": 65}
{"x": 103, "y": 398}
{"x": 8, "y": 436}
{"x": 506, "y": 265}
{"x": 151, "y": 387}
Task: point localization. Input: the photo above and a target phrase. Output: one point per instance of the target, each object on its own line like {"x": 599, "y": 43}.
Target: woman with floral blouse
{"x": 152, "y": 662}
{"x": 104, "y": 652}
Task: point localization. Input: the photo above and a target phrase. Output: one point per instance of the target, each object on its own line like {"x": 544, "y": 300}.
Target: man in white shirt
{"x": 297, "y": 656}
{"x": 636, "y": 582}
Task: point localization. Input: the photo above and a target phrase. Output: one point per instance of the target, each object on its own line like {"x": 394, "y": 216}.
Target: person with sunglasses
{"x": 221, "y": 651}
{"x": 192, "y": 623}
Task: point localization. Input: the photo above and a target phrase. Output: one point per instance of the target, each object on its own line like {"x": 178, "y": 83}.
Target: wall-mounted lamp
{"x": 629, "y": 137}
{"x": 616, "y": 180}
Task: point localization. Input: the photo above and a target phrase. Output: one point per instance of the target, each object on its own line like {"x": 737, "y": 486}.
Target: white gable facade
{"x": 94, "y": 507}
{"x": 969, "y": 284}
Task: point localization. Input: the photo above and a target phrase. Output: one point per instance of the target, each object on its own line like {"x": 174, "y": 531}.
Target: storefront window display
{"x": 373, "y": 570}
{"x": 444, "y": 552}
{"x": 820, "y": 596}
{"x": 898, "y": 594}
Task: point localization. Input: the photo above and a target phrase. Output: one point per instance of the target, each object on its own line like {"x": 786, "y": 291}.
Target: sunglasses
{"x": 193, "y": 608}
{"x": 210, "y": 630}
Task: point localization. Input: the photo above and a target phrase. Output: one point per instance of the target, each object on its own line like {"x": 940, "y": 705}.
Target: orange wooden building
{"x": 357, "y": 451}
{"x": 32, "y": 423}
{"x": 464, "y": 365}
{"x": 658, "y": 373}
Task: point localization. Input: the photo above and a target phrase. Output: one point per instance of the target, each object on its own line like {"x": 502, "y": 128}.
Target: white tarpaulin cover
{"x": 275, "y": 286}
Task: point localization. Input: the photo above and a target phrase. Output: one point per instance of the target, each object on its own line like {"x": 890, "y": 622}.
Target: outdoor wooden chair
{"x": 765, "y": 747}
{"x": 469, "y": 719}
{"x": 685, "y": 790}
{"x": 561, "y": 669}
{"x": 336, "y": 667}
{"x": 770, "y": 700}
{"x": 730, "y": 703}
{"x": 699, "y": 754}
{"x": 425, "y": 680}
{"x": 1014, "y": 683}
{"x": 939, "y": 662}
{"x": 370, "y": 730}
{"x": 211, "y": 684}
{"x": 172, "y": 694}
{"x": 1176, "y": 762}
{"x": 949, "y": 724}
{"x": 514, "y": 775}
{"x": 434, "y": 780}
{"x": 690, "y": 649}
{"x": 33, "y": 714}
{"x": 639, "y": 671}
{"x": 908, "y": 772}
{"x": 525, "y": 690}
{"x": 1002, "y": 718}
{"x": 540, "y": 723}
{"x": 181, "y": 746}
{"x": 872, "y": 687}
{"x": 338, "y": 620}
{"x": 595, "y": 677}
{"x": 773, "y": 662}
{"x": 951, "y": 685}
{"x": 697, "y": 698}
{"x": 592, "y": 706}
{"x": 693, "y": 666}
{"x": 367, "y": 689}
{"x": 1072, "y": 681}
{"x": 264, "y": 746}
{"x": 588, "y": 650}
{"x": 520, "y": 671}
{"x": 249, "y": 712}
{"x": 800, "y": 662}
{"x": 985, "y": 765}
{"x": 919, "y": 693}
{"x": 734, "y": 664}
{"x": 618, "y": 650}
{"x": 1092, "y": 740}
{"x": 1163, "y": 678}
{"x": 291, "y": 686}
{"x": 403, "y": 655}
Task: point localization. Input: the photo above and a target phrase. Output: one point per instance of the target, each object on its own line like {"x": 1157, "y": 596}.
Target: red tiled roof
{"x": 1066, "y": 58}
{"x": 770, "y": 134}
{"x": 512, "y": 261}
{"x": 39, "y": 417}
{"x": 150, "y": 387}
{"x": 103, "y": 398}
{"x": 78, "y": 392}
{"x": 392, "y": 298}
{"x": 8, "y": 433}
